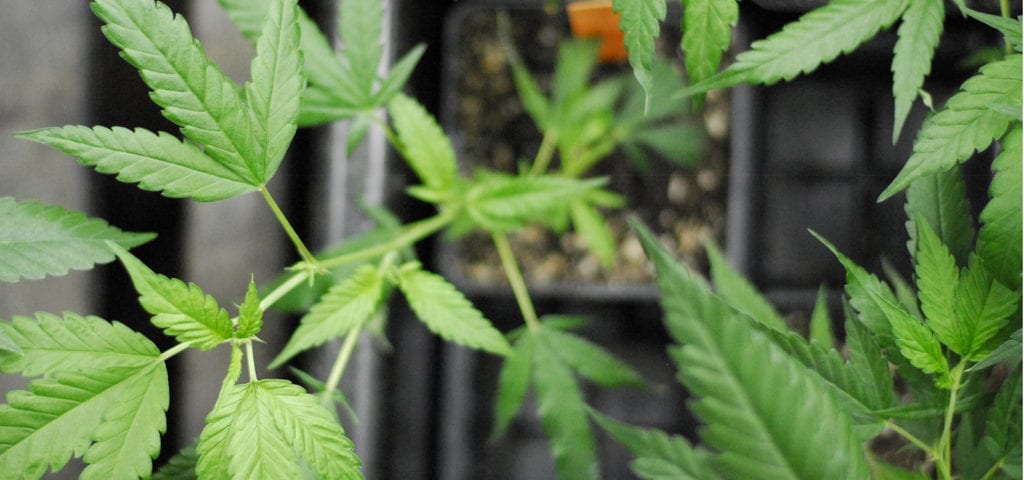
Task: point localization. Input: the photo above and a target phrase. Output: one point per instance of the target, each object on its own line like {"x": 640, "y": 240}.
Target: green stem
{"x": 340, "y": 362}
{"x": 544, "y": 154}
{"x": 515, "y": 279}
{"x": 409, "y": 235}
{"x": 389, "y": 133}
{"x": 911, "y": 438}
{"x": 1004, "y": 10}
{"x": 283, "y": 289}
{"x": 301, "y": 247}
{"x": 943, "y": 450}
{"x": 251, "y": 362}
{"x": 171, "y": 352}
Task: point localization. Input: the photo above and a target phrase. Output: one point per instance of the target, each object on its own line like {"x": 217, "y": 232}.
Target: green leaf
{"x": 983, "y": 308}
{"x": 423, "y": 143}
{"x": 591, "y": 361}
{"x": 912, "y": 57}
{"x": 640, "y": 26}
{"x": 675, "y": 456}
{"x": 513, "y": 383}
{"x": 965, "y": 125}
{"x": 576, "y": 61}
{"x": 447, "y": 312}
{"x": 766, "y": 414}
{"x": 182, "y": 466}
{"x": 60, "y": 416}
{"x": 1009, "y": 27}
{"x": 262, "y": 429}
{"x": 739, "y": 293}
{"x": 361, "y": 27}
{"x": 707, "y": 31}
{"x": 250, "y": 317}
{"x": 817, "y": 37}
{"x": 156, "y": 161}
{"x": 563, "y": 413}
{"x": 317, "y": 387}
{"x": 1002, "y": 427}
{"x": 191, "y": 89}
{"x": 399, "y": 75}
{"x": 940, "y": 199}
{"x": 502, "y": 203}
{"x": 594, "y": 231}
{"x": 273, "y": 94}
{"x": 343, "y": 308}
{"x": 530, "y": 94}
{"x": 999, "y": 240}
{"x": 38, "y": 240}
{"x": 51, "y": 344}
{"x": 820, "y": 328}
{"x": 1008, "y": 351}
{"x": 937, "y": 283}
{"x": 182, "y": 311}
{"x": 871, "y": 377}
{"x": 129, "y": 438}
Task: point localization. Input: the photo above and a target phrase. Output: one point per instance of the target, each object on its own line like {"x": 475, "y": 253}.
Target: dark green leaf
{"x": 513, "y": 383}
{"x": 965, "y": 124}
{"x": 1009, "y": 27}
{"x": 674, "y": 455}
{"x": 182, "y": 466}
{"x": 912, "y": 60}
{"x": 937, "y": 282}
{"x": 983, "y": 308}
{"x": 940, "y": 199}
{"x": 707, "y": 31}
{"x": 591, "y": 361}
{"x": 999, "y": 240}
{"x": 1008, "y": 351}
{"x": 872, "y": 379}
{"x": 593, "y": 229}
{"x": 820, "y": 328}
{"x": 38, "y": 240}
{"x": 739, "y": 293}
{"x": 640, "y": 25}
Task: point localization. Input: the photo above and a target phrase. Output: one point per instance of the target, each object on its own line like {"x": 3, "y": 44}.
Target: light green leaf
{"x": 674, "y": 455}
{"x": 640, "y": 25}
{"x": 999, "y": 240}
{"x": 38, "y": 240}
{"x": 707, "y": 31}
{"x": 257, "y": 449}
{"x": 937, "y": 280}
{"x": 576, "y": 61}
{"x": 820, "y": 328}
{"x": 7, "y": 345}
{"x": 157, "y": 162}
{"x": 182, "y": 311}
{"x": 513, "y": 383}
{"x": 940, "y": 199}
{"x": 250, "y": 317}
{"x": 58, "y": 416}
{"x": 530, "y": 94}
{"x": 213, "y": 441}
{"x": 423, "y": 143}
{"x": 766, "y": 414}
{"x": 344, "y": 307}
{"x": 502, "y": 203}
{"x": 817, "y": 37}
{"x": 965, "y": 125}
{"x": 447, "y": 312}
{"x": 983, "y": 308}
{"x": 317, "y": 387}
{"x": 129, "y": 438}
{"x": 1008, "y": 351}
{"x": 361, "y": 27}
{"x": 563, "y": 414}
{"x": 182, "y": 466}
{"x": 1009, "y": 27}
{"x": 590, "y": 361}
{"x": 273, "y": 94}
{"x": 919, "y": 34}
{"x": 51, "y": 344}
{"x": 191, "y": 89}
{"x": 739, "y": 293}
{"x": 399, "y": 75}
{"x": 593, "y": 229}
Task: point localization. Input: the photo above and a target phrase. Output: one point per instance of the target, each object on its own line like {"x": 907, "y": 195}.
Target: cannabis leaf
{"x": 940, "y": 200}
{"x": 182, "y": 310}
{"x": 639, "y": 24}
{"x": 739, "y": 293}
{"x": 965, "y": 125}
{"x": 250, "y": 317}
{"x": 38, "y": 240}
{"x": 182, "y": 466}
{"x": 500, "y": 203}
{"x": 593, "y": 229}
{"x": 423, "y": 143}
{"x": 819, "y": 329}
{"x": 591, "y": 361}
{"x": 659, "y": 456}
{"x": 156, "y": 161}
{"x": 262, "y": 430}
{"x": 49, "y": 343}
{"x": 818, "y": 37}
{"x": 707, "y": 31}
{"x": 912, "y": 57}
{"x": 937, "y": 281}
{"x": 446, "y": 312}
{"x": 765, "y": 413}
{"x": 62, "y": 414}
{"x": 513, "y": 383}
{"x": 983, "y": 308}
{"x": 344, "y": 307}
{"x": 999, "y": 240}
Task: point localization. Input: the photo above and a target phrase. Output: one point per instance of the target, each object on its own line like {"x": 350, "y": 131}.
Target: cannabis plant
{"x": 934, "y": 363}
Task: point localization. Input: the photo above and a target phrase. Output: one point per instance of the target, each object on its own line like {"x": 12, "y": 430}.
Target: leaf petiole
{"x": 544, "y": 154}
{"x": 283, "y": 289}
{"x": 943, "y": 450}
{"x": 338, "y": 369}
{"x": 304, "y": 252}
{"x": 409, "y": 235}
{"x": 250, "y": 362}
{"x": 171, "y": 352}
{"x": 515, "y": 279}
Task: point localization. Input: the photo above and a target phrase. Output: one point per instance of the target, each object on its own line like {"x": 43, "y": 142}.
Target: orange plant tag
{"x": 595, "y": 19}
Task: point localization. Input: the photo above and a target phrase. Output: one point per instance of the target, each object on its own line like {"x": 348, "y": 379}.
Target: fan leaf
{"x": 674, "y": 455}
{"x": 739, "y": 293}
{"x": 513, "y": 383}
{"x": 707, "y": 31}
{"x": 640, "y": 25}
{"x": 999, "y": 240}
{"x": 912, "y": 57}
{"x": 37, "y": 240}
{"x": 940, "y": 200}
{"x": 591, "y": 361}
{"x": 423, "y": 143}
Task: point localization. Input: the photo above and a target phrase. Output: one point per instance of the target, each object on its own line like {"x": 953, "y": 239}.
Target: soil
{"x": 490, "y": 128}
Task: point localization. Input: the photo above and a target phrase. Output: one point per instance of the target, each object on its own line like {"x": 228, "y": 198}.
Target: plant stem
{"x": 911, "y": 438}
{"x": 544, "y": 154}
{"x": 301, "y": 247}
{"x": 944, "y": 463}
{"x": 409, "y": 235}
{"x": 1004, "y": 11}
{"x": 344, "y": 354}
{"x": 251, "y": 362}
{"x": 283, "y": 289}
{"x": 181, "y": 347}
{"x": 515, "y": 279}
